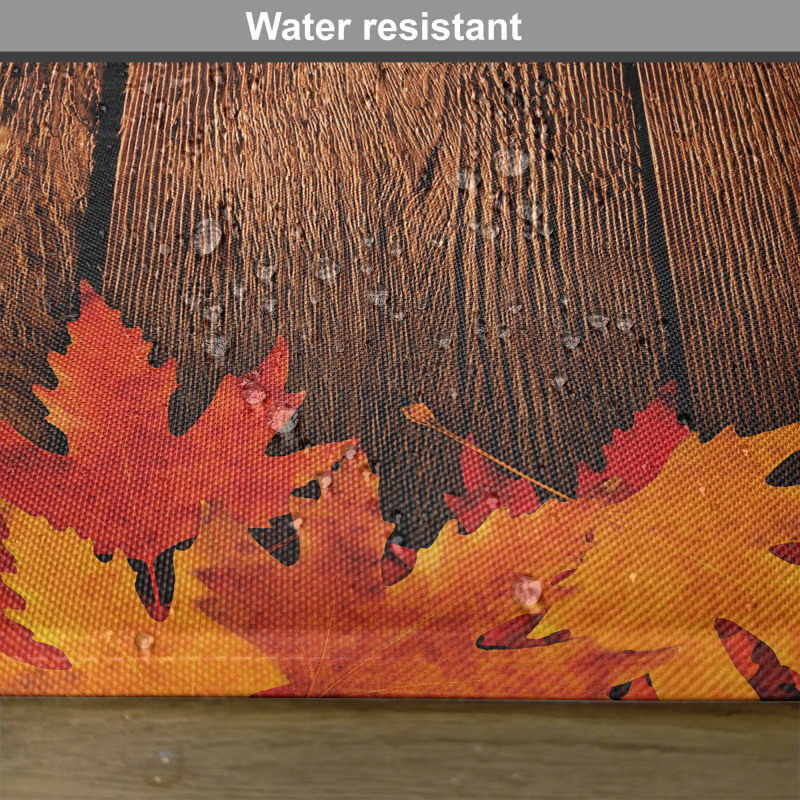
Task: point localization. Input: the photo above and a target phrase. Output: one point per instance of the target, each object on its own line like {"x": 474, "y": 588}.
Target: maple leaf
{"x": 487, "y": 490}
{"x": 757, "y": 662}
{"x": 127, "y": 482}
{"x": 337, "y": 630}
{"x": 114, "y": 647}
{"x": 633, "y": 459}
{"x": 16, "y": 641}
{"x": 638, "y": 689}
{"x": 697, "y": 545}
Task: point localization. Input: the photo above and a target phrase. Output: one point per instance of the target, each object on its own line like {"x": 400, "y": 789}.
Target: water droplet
{"x": 289, "y": 425}
{"x": 279, "y": 415}
{"x": 504, "y": 332}
{"x": 378, "y": 296}
{"x": 213, "y": 315}
{"x": 216, "y": 346}
{"x": 624, "y": 323}
{"x": 510, "y": 161}
{"x": 207, "y": 236}
{"x": 526, "y": 590}
{"x": 515, "y": 307}
{"x": 164, "y": 249}
{"x": 265, "y": 270}
{"x": 530, "y": 211}
{"x": 164, "y": 768}
{"x": 324, "y": 480}
{"x": 144, "y": 641}
{"x": 489, "y": 231}
{"x": 238, "y": 292}
{"x": 468, "y": 179}
{"x": 270, "y": 304}
{"x": 444, "y": 342}
{"x": 326, "y": 269}
{"x": 399, "y": 315}
{"x": 571, "y": 342}
{"x": 598, "y": 321}
{"x": 439, "y": 241}
{"x": 632, "y": 577}
{"x": 560, "y": 382}
{"x": 253, "y": 393}
{"x": 369, "y": 240}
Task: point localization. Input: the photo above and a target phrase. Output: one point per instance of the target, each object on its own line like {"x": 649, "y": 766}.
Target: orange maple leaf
{"x": 127, "y": 482}
{"x": 336, "y": 630}
{"x": 700, "y": 545}
{"x": 109, "y": 645}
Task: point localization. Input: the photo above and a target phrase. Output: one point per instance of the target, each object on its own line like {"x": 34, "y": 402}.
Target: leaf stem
{"x": 422, "y": 415}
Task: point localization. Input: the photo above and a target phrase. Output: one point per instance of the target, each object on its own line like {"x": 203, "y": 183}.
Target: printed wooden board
{"x": 400, "y": 380}
{"x": 129, "y": 749}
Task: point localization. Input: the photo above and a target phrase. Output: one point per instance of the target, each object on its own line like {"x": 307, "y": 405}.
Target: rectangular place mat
{"x": 469, "y": 380}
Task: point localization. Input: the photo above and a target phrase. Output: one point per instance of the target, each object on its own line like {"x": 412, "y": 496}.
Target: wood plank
{"x": 441, "y": 294}
{"x": 724, "y": 138}
{"x": 47, "y": 128}
{"x": 120, "y": 749}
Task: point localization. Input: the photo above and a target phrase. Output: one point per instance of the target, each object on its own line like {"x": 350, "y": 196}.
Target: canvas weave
{"x": 403, "y": 380}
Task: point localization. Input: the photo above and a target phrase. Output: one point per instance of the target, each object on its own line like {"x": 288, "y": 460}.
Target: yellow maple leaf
{"x": 691, "y": 548}
{"x": 337, "y": 631}
{"x": 84, "y": 608}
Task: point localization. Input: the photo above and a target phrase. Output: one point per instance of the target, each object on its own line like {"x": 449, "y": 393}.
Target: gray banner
{"x": 569, "y": 26}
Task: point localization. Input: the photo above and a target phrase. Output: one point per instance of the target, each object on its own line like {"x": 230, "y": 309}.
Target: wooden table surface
{"x": 238, "y": 750}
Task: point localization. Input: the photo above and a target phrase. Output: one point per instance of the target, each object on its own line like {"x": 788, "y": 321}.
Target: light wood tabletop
{"x": 128, "y": 749}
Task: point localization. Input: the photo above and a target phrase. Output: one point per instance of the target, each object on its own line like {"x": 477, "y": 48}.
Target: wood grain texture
{"x": 368, "y": 214}
{"x": 724, "y": 138}
{"x": 47, "y": 125}
{"x": 245, "y": 749}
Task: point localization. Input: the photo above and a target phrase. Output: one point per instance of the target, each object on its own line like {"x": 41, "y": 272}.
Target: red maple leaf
{"x": 127, "y": 482}
{"x": 487, "y": 490}
{"x": 633, "y": 459}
